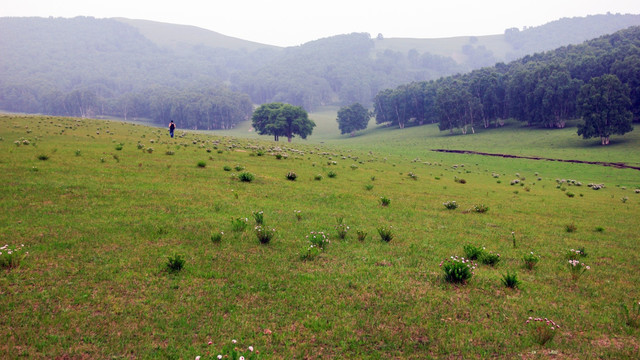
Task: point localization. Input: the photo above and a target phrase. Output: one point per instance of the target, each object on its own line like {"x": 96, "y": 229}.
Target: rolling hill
{"x": 48, "y": 64}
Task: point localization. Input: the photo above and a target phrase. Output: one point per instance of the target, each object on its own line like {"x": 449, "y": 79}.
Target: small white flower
{"x": 234, "y": 341}
{"x": 219, "y": 357}
{"x": 250, "y": 348}
{"x": 198, "y": 357}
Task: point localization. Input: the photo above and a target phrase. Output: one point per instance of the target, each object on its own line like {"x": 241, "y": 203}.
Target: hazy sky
{"x": 293, "y": 22}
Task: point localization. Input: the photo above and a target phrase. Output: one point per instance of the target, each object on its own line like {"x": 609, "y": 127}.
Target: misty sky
{"x": 294, "y": 22}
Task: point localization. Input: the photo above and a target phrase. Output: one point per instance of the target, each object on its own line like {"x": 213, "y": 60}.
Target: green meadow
{"x": 99, "y": 209}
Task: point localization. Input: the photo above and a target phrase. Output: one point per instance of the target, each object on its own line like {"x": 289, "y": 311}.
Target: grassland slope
{"x": 101, "y": 206}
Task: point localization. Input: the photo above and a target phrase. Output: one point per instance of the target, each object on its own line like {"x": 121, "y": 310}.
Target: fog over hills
{"x": 88, "y": 67}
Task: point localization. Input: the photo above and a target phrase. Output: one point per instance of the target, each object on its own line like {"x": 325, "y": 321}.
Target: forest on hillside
{"x": 540, "y": 89}
{"x": 91, "y": 67}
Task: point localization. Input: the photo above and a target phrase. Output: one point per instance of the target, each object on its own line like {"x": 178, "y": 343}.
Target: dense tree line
{"x": 339, "y": 70}
{"x": 540, "y": 89}
{"x": 195, "y": 108}
{"x": 90, "y": 67}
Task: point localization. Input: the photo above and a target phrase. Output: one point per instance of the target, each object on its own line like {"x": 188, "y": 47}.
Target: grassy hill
{"x": 177, "y": 37}
{"x": 448, "y": 47}
{"x": 98, "y": 208}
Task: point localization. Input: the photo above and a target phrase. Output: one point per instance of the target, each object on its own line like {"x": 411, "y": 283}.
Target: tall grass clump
{"x": 457, "y": 270}
{"x": 530, "y": 260}
{"x": 489, "y": 258}
{"x": 386, "y": 233}
{"x": 217, "y": 237}
{"x": 473, "y": 252}
{"x": 239, "y": 224}
{"x": 175, "y": 263}
{"x": 510, "y": 280}
{"x": 318, "y": 239}
{"x": 341, "y": 227}
{"x": 384, "y": 201}
{"x": 542, "y": 330}
{"x": 259, "y": 217}
{"x": 246, "y": 177}
{"x": 632, "y": 316}
{"x": 451, "y": 205}
{"x": 11, "y": 257}
{"x": 577, "y": 268}
{"x": 292, "y": 176}
{"x": 264, "y": 234}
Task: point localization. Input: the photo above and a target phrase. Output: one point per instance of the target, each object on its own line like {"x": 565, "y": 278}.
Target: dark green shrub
{"x": 457, "y": 270}
{"x": 510, "y": 280}
{"x": 472, "y": 252}
{"x": 246, "y": 177}
{"x": 175, "y": 263}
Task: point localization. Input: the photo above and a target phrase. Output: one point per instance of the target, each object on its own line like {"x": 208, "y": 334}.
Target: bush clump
{"x": 175, "y": 263}
{"x": 457, "y": 270}
{"x": 246, "y": 177}
{"x": 386, "y": 233}
{"x": 292, "y": 176}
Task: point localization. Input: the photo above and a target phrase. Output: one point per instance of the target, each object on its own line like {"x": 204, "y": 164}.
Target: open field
{"x": 99, "y": 215}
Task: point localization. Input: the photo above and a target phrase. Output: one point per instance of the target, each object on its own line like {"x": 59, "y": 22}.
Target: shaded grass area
{"x": 99, "y": 231}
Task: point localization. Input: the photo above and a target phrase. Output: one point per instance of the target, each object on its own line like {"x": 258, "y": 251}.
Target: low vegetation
{"x": 151, "y": 256}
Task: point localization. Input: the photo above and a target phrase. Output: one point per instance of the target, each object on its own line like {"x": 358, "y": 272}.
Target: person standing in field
{"x": 172, "y": 127}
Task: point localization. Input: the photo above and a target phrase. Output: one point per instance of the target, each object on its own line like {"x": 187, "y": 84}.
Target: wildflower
{"x": 241, "y": 358}
{"x": 210, "y": 342}
{"x": 234, "y": 341}
{"x": 198, "y": 357}
{"x": 250, "y": 348}
{"x": 219, "y": 357}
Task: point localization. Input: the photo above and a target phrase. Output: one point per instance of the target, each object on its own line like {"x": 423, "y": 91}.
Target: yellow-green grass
{"x": 99, "y": 231}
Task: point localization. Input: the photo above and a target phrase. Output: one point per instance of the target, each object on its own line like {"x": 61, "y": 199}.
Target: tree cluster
{"x": 541, "y": 89}
{"x": 90, "y": 67}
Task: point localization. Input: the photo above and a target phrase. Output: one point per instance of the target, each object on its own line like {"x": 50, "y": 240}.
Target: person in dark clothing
{"x": 172, "y": 127}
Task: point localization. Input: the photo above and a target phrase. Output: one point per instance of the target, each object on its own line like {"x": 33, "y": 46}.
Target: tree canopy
{"x": 279, "y": 119}
{"x": 604, "y": 105}
{"x": 352, "y": 118}
{"x": 540, "y": 89}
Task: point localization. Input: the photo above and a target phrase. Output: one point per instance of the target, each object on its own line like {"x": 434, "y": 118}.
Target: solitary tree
{"x": 280, "y": 119}
{"x": 353, "y": 118}
{"x": 604, "y": 105}
{"x": 264, "y": 119}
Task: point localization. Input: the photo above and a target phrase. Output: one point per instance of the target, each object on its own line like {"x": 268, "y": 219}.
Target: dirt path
{"x": 602, "y": 163}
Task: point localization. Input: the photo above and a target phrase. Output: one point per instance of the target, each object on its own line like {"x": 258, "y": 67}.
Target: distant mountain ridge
{"x": 115, "y": 61}
{"x": 176, "y": 36}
